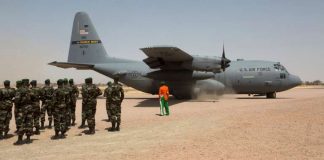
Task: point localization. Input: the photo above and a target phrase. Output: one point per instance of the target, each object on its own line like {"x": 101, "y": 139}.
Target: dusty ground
{"x": 232, "y": 127}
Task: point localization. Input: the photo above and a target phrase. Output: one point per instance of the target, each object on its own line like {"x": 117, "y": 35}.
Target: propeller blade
{"x": 225, "y": 62}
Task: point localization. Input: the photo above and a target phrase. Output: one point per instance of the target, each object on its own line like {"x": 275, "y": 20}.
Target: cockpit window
{"x": 280, "y": 68}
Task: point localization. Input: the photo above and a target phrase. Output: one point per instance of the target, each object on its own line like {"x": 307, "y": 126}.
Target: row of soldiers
{"x": 27, "y": 111}
{"x": 60, "y": 102}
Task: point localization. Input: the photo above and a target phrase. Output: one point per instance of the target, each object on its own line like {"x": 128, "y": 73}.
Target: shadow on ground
{"x": 154, "y": 102}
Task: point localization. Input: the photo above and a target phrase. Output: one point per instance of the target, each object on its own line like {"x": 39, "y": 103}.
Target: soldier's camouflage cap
{"x": 60, "y": 82}
{"x": 6, "y": 82}
{"x": 88, "y": 80}
{"x": 33, "y": 82}
{"x": 19, "y": 82}
{"x": 109, "y": 83}
{"x": 65, "y": 80}
{"x": 25, "y": 81}
{"x": 47, "y": 81}
{"x": 71, "y": 81}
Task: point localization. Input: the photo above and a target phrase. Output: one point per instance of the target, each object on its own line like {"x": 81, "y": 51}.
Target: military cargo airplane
{"x": 186, "y": 75}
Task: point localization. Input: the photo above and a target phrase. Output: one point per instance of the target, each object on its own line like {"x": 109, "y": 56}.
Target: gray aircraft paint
{"x": 184, "y": 78}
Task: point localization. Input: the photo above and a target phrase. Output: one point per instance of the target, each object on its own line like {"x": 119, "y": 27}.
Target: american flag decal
{"x": 83, "y": 31}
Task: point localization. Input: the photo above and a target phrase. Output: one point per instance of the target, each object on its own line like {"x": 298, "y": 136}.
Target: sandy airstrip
{"x": 232, "y": 127}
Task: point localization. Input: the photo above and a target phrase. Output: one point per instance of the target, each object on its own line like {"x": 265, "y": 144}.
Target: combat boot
{"x": 63, "y": 134}
{"x": 112, "y": 128}
{"x": 37, "y": 132}
{"x": 1, "y": 135}
{"x": 117, "y": 128}
{"x": 5, "y": 134}
{"x": 50, "y": 124}
{"x": 73, "y": 122}
{"x": 56, "y": 136}
{"x": 19, "y": 141}
{"x": 82, "y": 124}
{"x": 42, "y": 126}
{"x": 92, "y": 130}
{"x": 28, "y": 139}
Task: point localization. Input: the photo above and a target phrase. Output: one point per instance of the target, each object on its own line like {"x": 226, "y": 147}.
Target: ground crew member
{"x": 116, "y": 96}
{"x": 108, "y": 100}
{"x": 6, "y": 101}
{"x": 75, "y": 95}
{"x": 23, "y": 99}
{"x": 47, "y": 105}
{"x": 163, "y": 97}
{"x": 89, "y": 99}
{"x": 35, "y": 98}
{"x": 60, "y": 100}
{"x": 17, "y": 107}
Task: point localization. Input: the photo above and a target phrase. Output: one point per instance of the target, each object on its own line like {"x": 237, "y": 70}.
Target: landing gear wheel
{"x": 272, "y": 95}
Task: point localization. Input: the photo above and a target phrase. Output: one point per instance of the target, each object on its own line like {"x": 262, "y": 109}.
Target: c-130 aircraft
{"x": 187, "y": 76}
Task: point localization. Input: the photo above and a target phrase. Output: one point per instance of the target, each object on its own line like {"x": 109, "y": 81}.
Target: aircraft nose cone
{"x": 295, "y": 80}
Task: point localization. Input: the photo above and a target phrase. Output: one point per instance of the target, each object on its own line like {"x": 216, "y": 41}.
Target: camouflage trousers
{"x": 90, "y": 115}
{"x": 16, "y": 115}
{"x": 60, "y": 118}
{"x": 108, "y": 110}
{"x": 25, "y": 120}
{"x": 46, "y": 107}
{"x": 83, "y": 111}
{"x": 68, "y": 114}
{"x": 115, "y": 111}
{"x": 5, "y": 116}
{"x": 36, "y": 115}
{"x": 73, "y": 107}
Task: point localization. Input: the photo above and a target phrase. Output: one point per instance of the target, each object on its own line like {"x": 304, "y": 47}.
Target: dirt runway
{"x": 232, "y": 127}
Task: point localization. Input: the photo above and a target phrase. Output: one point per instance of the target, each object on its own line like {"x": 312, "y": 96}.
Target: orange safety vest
{"x": 164, "y": 91}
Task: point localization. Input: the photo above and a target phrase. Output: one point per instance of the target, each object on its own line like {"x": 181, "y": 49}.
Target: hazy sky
{"x": 36, "y": 32}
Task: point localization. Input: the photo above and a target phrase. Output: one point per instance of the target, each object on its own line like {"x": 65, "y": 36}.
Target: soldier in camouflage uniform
{"x": 83, "y": 109}
{"x": 89, "y": 99}
{"x": 35, "y": 98}
{"x": 68, "y": 91}
{"x": 47, "y": 105}
{"x": 75, "y": 95}
{"x": 23, "y": 99}
{"x": 116, "y": 96}
{"x": 17, "y": 107}
{"x": 6, "y": 101}
{"x": 60, "y": 98}
{"x": 108, "y": 100}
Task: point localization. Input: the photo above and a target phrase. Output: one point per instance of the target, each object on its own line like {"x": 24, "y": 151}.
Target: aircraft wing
{"x": 71, "y": 65}
{"x": 165, "y": 57}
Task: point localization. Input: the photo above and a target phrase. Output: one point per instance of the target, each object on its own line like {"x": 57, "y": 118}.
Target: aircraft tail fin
{"x": 85, "y": 46}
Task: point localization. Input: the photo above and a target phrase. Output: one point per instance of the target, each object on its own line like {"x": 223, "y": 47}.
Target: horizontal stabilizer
{"x": 72, "y": 65}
